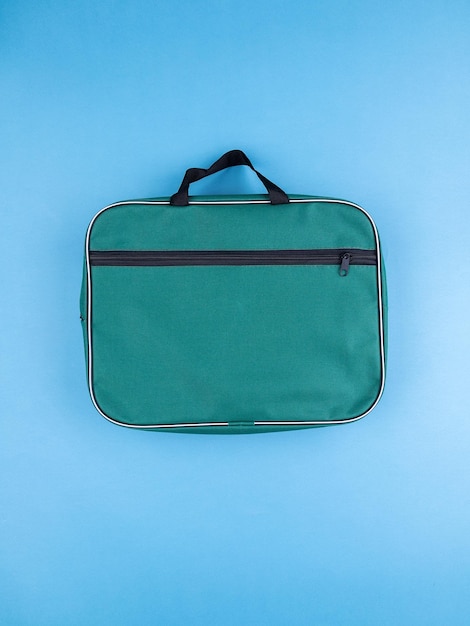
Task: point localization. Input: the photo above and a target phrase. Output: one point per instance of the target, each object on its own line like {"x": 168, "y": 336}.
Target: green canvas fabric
{"x": 252, "y": 348}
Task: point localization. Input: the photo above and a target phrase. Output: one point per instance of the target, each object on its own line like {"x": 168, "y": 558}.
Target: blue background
{"x": 361, "y": 524}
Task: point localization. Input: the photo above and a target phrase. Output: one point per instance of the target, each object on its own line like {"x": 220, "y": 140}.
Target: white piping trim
{"x": 256, "y": 423}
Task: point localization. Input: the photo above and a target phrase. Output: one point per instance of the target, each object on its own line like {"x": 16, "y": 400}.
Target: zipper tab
{"x": 345, "y": 261}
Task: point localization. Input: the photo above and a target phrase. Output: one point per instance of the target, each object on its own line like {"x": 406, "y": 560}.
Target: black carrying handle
{"x": 229, "y": 159}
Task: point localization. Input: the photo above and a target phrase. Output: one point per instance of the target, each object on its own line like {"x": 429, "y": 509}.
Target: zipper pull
{"x": 345, "y": 261}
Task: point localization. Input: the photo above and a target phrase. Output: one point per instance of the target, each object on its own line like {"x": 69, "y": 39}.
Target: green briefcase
{"x": 233, "y": 314}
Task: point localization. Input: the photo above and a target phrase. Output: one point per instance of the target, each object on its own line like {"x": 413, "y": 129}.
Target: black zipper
{"x": 344, "y": 257}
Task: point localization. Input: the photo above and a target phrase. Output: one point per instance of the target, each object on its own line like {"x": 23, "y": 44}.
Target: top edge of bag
{"x": 227, "y": 198}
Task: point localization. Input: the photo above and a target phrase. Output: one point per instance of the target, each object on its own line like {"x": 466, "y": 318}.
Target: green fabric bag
{"x": 235, "y": 314}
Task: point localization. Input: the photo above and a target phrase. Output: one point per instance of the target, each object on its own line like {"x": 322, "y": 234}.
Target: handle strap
{"x": 229, "y": 159}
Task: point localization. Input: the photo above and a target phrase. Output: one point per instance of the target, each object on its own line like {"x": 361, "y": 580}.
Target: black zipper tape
{"x": 344, "y": 257}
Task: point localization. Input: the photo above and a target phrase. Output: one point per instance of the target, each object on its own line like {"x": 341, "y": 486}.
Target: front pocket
{"x": 194, "y": 341}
